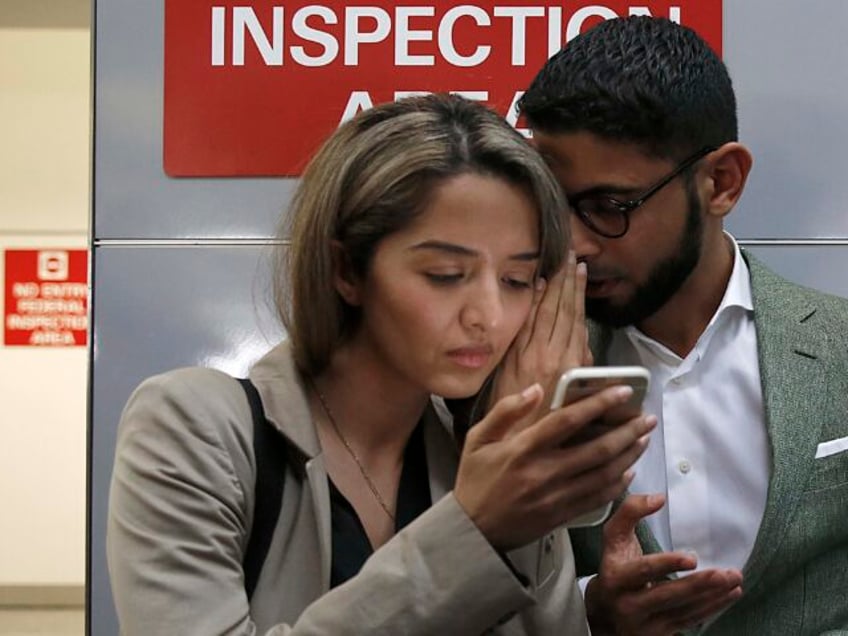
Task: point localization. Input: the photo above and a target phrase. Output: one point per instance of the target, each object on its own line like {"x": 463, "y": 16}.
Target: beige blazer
{"x": 180, "y": 511}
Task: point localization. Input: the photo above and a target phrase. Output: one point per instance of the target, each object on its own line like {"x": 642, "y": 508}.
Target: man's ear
{"x": 345, "y": 279}
{"x": 729, "y": 167}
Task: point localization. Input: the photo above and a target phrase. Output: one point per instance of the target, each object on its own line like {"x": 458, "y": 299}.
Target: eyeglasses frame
{"x": 626, "y": 207}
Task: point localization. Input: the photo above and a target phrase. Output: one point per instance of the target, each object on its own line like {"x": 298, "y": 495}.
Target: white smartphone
{"x": 582, "y": 382}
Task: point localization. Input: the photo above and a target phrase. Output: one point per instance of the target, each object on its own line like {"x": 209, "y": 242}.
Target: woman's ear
{"x": 729, "y": 168}
{"x": 345, "y": 280}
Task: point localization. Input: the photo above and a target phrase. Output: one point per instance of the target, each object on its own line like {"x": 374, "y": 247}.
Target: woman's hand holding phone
{"x": 518, "y": 483}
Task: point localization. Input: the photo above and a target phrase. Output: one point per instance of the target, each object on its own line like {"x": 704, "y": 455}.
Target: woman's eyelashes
{"x": 444, "y": 279}
{"x": 519, "y": 283}
{"x": 512, "y": 281}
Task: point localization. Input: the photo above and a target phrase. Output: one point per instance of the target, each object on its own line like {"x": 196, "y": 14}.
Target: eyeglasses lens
{"x": 603, "y": 216}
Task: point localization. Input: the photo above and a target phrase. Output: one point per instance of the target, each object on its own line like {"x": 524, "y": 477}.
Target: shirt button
{"x": 684, "y": 466}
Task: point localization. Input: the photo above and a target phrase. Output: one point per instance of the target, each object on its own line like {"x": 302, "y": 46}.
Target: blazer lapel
{"x": 320, "y": 491}
{"x": 793, "y": 371}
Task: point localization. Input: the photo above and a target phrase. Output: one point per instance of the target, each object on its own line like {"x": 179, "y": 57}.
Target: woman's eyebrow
{"x": 461, "y": 250}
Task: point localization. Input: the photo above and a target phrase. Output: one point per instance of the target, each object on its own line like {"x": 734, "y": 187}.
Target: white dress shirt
{"x": 709, "y": 453}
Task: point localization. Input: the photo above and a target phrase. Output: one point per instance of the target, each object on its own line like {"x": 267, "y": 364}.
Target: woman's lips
{"x": 471, "y": 357}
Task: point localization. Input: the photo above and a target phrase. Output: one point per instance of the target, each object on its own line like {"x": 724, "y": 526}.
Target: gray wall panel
{"x": 133, "y": 196}
{"x": 789, "y": 65}
{"x": 158, "y": 308}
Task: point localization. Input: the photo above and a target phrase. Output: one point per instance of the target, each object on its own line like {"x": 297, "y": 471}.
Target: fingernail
{"x": 571, "y": 256}
{"x": 654, "y": 500}
{"x": 644, "y": 440}
{"x": 581, "y": 268}
{"x": 649, "y": 423}
{"x": 531, "y": 391}
{"x": 540, "y": 283}
{"x": 623, "y": 392}
{"x": 629, "y": 475}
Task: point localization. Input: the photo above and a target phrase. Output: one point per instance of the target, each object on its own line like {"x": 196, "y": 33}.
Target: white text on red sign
{"x": 408, "y": 25}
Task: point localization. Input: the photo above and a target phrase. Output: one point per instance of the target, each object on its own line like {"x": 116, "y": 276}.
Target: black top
{"x": 351, "y": 547}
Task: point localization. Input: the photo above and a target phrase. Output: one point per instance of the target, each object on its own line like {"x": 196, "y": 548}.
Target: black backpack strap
{"x": 269, "y": 449}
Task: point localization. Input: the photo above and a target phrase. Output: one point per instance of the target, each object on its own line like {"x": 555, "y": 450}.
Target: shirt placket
{"x": 686, "y": 475}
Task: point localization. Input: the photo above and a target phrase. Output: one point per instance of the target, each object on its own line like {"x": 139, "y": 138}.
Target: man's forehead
{"x": 583, "y": 160}
{"x": 572, "y": 147}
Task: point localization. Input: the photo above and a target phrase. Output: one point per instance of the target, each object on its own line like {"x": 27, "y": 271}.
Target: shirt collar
{"x": 738, "y": 292}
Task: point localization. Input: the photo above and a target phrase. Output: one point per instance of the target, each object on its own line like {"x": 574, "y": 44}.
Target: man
{"x": 637, "y": 118}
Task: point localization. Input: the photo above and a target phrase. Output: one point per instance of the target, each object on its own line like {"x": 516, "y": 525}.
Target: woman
{"x": 420, "y": 233}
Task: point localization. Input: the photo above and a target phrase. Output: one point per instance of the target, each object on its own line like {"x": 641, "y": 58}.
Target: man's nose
{"x": 584, "y": 241}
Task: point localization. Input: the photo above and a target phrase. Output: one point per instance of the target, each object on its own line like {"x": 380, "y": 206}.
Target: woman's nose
{"x": 484, "y": 306}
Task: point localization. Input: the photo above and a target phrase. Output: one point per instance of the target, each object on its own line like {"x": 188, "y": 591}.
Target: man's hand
{"x": 632, "y": 593}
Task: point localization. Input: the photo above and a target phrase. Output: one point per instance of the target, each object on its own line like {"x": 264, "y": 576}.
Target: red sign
{"x": 252, "y": 88}
{"x": 46, "y": 297}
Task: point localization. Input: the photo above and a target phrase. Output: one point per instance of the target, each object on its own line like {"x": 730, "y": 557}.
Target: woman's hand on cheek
{"x": 552, "y": 340}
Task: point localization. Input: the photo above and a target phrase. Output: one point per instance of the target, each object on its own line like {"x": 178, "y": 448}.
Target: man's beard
{"x": 663, "y": 282}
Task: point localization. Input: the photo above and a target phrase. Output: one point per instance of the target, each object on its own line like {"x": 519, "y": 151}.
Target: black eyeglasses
{"x": 609, "y": 217}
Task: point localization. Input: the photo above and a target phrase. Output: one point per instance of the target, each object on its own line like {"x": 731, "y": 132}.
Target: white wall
{"x": 44, "y": 194}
